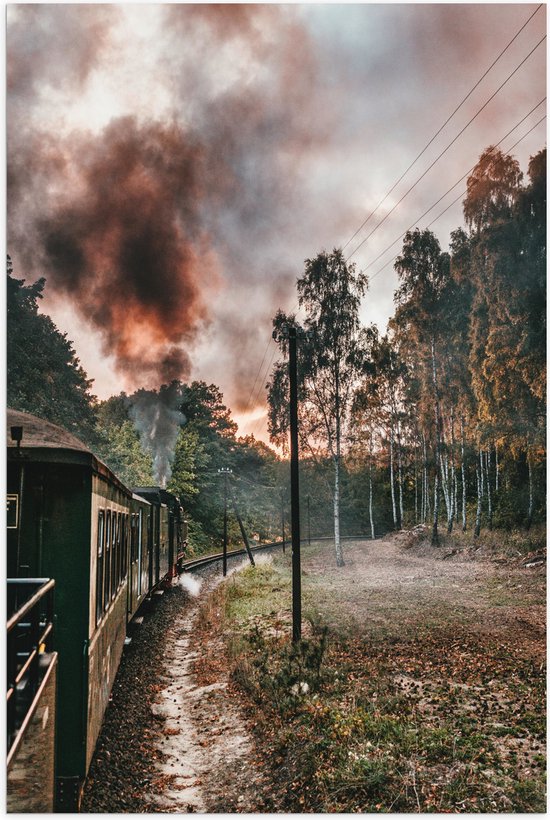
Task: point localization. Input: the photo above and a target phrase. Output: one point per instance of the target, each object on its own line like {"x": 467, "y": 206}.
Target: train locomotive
{"x": 109, "y": 549}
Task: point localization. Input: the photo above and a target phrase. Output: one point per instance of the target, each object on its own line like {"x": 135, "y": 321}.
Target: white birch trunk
{"x": 370, "y": 494}
{"x": 435, "y": 534}
{"x": 416, "y": 483}
{"x": 400, "y": 475}
{"x": 479, "y": 476}
{"x": 463, "y": 472}
{"x": 424, "y": 513}
{"x": 337, "y": 542}
{"x": 531, "y": 493}
{"x": 444, "y": 467}
{"x": 394, "y": 509}
{"x": 452, "y": 478}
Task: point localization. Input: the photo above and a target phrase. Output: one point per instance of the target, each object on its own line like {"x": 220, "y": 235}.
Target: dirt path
{"x": 205, "y": 750}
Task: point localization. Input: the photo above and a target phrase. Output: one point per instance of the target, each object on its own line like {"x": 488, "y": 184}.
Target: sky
{"x": 170, "y": 167}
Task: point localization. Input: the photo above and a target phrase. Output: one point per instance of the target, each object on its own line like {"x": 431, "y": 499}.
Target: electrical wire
{"x": 458, "y": 198}
{"x": 436, "y": 160}
{"x": 416, "y": 221}
{"x": 257, "y": 374}
{"x": 437, "y": 133}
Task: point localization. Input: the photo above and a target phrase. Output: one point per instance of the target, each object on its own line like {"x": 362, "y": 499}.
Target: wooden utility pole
{"x": 283, "y": 519}
{"x": 225, "y": 471}
{"x": 294, "y": 489}
{"x": 243, "y": 531}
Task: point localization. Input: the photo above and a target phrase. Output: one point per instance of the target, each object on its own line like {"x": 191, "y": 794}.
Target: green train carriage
{"x": 71, "y": 519}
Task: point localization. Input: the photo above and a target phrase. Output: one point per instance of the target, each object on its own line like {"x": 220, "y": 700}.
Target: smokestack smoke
{"x": 158, "y": 421}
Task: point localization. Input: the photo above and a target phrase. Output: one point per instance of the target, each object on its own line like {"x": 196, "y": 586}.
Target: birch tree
{"x": 331, "y": 354}
{"x": 423, "y": 272}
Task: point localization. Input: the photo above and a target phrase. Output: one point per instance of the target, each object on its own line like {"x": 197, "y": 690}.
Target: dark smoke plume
{"x": 128, "y": 247}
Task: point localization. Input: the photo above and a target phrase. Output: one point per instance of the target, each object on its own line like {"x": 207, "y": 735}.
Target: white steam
{"x": 191, "y": 584}
{"x": 158, "y": 421}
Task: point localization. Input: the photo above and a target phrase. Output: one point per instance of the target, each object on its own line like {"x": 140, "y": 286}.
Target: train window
{"x": 99, "y": 567}
{"x": 121, "y": 549}
{"x": 133, "y": 537}
{"x": 125, "y": 521}
{"x": 114, "y": 554}
{"x": 140, "y": 547}
{"x": 107, "y": 586}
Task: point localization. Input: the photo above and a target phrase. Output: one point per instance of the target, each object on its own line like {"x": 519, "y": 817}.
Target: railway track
{"x": 205, "y": 560}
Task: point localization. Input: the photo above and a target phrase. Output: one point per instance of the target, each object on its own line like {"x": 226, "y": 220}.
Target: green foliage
{"x": 119, "y": 447}
{"x": 189, "y": 461}
{"x": 281, "y": 673}
{"x": 44, "y": 376}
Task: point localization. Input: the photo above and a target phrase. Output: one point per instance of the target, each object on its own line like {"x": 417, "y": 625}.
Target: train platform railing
{"x": 30, "y": 609}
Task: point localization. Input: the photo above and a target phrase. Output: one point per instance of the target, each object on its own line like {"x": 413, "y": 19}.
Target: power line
{"x": 459, "y": 197}
{"x": 401, "y": 235}
{"x": 449, "y": 118}
{"x": 485, "y": 104}
{"x": 257, "y": 374}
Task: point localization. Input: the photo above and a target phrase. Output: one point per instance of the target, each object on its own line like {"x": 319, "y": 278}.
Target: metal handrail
{"x": 45, "y": 584}
{"x": 29, "y": 636}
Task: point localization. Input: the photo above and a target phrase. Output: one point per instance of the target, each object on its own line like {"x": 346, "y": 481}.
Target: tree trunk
{"x": 426, "y": 483}
{"x": 444, "y": 467}
{"x": 489, "y": 497}
{"x": 337, "y": 542}
{"x": 435, "y": 535}
{"x": 455, "y": 494}
{"x": 370, "y": 493}
{"x": 463, "y": 472}
{"x": 479, "y": 476}
{"x": 531, "y": 494}
{"x": 400, "y": 475}
{"x": 394, "y": 510}
{"x": 416, "y": 483}
{"x": 452, "y": 481}
{"x": 496, "y": 468}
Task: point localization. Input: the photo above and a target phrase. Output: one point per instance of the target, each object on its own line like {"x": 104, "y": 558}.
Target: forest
{"x": 440, "y": 420}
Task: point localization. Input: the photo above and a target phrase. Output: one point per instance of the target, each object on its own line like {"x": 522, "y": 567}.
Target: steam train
{"x": 109, "y": 549}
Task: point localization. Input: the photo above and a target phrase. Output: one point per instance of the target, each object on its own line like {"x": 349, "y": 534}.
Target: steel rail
{"x": 204, "y": 560}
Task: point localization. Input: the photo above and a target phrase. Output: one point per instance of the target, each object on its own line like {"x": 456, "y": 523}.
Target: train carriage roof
{"x": 41, "y": 433}
{"x": 44, "y": 441}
